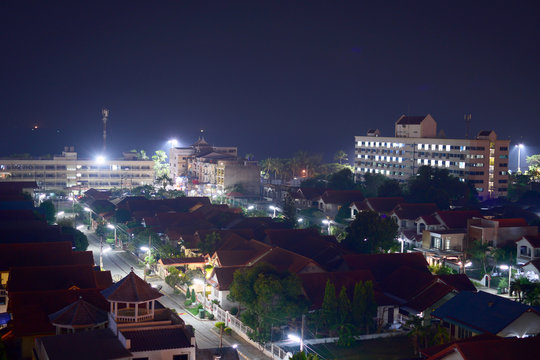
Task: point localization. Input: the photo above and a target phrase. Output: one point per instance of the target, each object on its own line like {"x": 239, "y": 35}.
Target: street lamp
{"x": 297, "y": 339}
{"x": 111, "y": 226}
{"x": 173, "y": 142}
{"x": 87, "y": 209}
{"x": 274, "y": 208}
{"x": 100, "y": 159}
{"x": 251, "y": 207}
{"x": 462, "y": 266}
{"x": 509, "y": 268}
{"x": 519, "y": 146}
{"x": 327, "y": 223}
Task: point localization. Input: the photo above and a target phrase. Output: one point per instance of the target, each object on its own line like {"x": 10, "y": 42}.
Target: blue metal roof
{"x": 480, "y": 310}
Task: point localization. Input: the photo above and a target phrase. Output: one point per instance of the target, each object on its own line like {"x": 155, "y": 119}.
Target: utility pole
{"x": 467, "y": 118}
{"x": 105, "y": 113}
{"x": 101, "y": 253}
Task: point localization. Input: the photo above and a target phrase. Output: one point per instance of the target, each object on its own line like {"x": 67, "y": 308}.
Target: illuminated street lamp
{"x": 327, "y": 223}
{"x": 274, "y": 208}
{"x": 519, "y": 147}
{"x": 462, "y": 266}
{"x": 87, "y": 209}
{"x": 111, "y": 226}
{"x": 173, "y": 142}
{"x": 101, "y": 252}
{"x": 100, "y": 159}
{"x": 297, "y": 339}
{"x": 251, "y": 207}
{"x": 509, "y": 268}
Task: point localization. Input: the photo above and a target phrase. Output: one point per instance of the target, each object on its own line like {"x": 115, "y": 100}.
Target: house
{"x": 221, "y": 279}
{"x": 78, "y": 316}
{"x": 528, "y": 248}
{"x": 143, "y": 327}
{"x": 499, "y": 232}
{"x": 485, "y": 347}
{"x": 405, "y": 214}
{"x": 89, "y": 345}
{"x": 472, "y": 313}
{"x": 380, "y": 205}
{"x": 184, "y": 263}
{"x": 331, "y": 201}
{"x": 307, "y": 197}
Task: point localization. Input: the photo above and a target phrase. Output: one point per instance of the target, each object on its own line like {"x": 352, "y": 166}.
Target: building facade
{"x": 483, "y": 161}
{"x": 67, "y": 171}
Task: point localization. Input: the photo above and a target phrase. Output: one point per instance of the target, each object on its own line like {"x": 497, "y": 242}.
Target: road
{"x": 120, "y": 263}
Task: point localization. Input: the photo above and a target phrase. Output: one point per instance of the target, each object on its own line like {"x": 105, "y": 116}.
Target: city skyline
{"x": 313, "y": 75}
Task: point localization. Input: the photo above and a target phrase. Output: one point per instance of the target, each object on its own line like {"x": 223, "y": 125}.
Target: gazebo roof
{"x": 131, "y": 289}
{"x": 80, "y": 313}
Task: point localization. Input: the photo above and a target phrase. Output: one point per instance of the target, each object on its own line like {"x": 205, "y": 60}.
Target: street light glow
{"x": 100, "y": 159}
{"x": 60, "y": 213}
{"x": 504, "y": 267}
{"x": 294, "y": 338}
{"x": 87, "y": 209}
{"x": 144, "y": 248}
{"x": 251, "y": 207}
{"x": 111, "y": 226}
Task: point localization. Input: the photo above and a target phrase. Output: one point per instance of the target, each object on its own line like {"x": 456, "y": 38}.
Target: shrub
{"x": 187, "y": 303}
{"x": 188, "y": 294}
{"x": 227, "y": 330}
{"x": 193, "y": 296}
{"x": 176, "y": 291}
{"x": 211, "y": 316}
{"x": 234, "y": 311}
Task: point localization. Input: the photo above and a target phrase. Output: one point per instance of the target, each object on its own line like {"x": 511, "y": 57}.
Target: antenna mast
{"x": 105, "y": 113}
{"x": 467, "y": 118}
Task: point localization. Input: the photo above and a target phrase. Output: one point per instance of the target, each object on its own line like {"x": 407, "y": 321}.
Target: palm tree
{"x": 417, "y": 331}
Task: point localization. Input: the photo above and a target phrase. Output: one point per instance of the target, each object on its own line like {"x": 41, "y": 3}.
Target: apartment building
{"x": 483, "y": 161}
{"x": 67, "y": 171}
{"x": 217, "y": 166}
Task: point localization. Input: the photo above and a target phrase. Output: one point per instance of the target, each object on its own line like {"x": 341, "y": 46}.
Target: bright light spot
{"x": 173, "y": 142}
{"x": 100, "y": 159}
{"x": 110, "y": 226}
{"x": 60, "y": 213}
{"x": 87, "y": 209}
{"x": 251, "y": 207}
{"x": 235, "y": 346}
{"x": 79, "y": 227}
{"x": 300, "y": 220}
{"x": 326, "y": 222}
{"x": 106, "y": 250}
{"x": 198, "y": 281}
{"x": 144, "y": 248}
{"x": 504, "y": 267}
{"x": 272, "y": 207}
{"x": 294, "y": 338}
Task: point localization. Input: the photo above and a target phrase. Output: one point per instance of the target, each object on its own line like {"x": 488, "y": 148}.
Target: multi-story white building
{"x": 66, "y": 171}
{"x": 483, "y": 161}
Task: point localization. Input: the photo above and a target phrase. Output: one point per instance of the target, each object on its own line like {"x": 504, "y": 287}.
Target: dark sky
{"x": 271, "y": 77}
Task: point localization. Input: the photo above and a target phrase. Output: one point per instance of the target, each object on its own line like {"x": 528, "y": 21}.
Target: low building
{"x": 499, "y": 232}
{"x": 472, "y": 313}
{"x": 67, "y": 171}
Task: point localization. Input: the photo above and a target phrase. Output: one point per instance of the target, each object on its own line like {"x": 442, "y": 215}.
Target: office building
{"x": 483, "y": 161}
{"x": 67, "y": 171}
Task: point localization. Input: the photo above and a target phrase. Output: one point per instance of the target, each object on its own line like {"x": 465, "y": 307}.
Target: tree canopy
{"x": 370, "y": 233}
{"x": 269, "y": 296}
{"x": 80, "y": 241}
{"x": 48, "y": 210}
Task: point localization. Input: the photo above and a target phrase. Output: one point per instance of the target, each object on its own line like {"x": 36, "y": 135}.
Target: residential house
{"x": 380, "y": 205}
{"x": 186, "y": 263}
{"x": 305, "y": 198}
{"x": 220, "y": 280}
{"x": 472, "y": 313}
{"x": 485, "y": 347}
{"x": 406, "y": 216}
{"x": 331, "y": 201}
{"x": 499, "y": 232}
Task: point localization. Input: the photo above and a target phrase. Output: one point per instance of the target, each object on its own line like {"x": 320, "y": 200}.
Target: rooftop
{"x": 131, "y": 289}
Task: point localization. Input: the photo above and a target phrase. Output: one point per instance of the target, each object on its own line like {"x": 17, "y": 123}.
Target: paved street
{"x": 120, "y": 262}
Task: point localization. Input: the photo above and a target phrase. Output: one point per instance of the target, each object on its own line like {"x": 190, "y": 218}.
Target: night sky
{"x": 271, "y": 77}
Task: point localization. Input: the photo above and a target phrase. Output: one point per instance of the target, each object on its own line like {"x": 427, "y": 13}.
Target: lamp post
{"x": 519, "y": 146}
{"x": 274, "y": 208}
{"x": 327, "y": 223}
{"x": 509, "y": 268}
{"x": 111, "y": 226}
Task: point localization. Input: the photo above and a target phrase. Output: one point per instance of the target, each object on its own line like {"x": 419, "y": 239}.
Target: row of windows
{"x": 72, "y": 167}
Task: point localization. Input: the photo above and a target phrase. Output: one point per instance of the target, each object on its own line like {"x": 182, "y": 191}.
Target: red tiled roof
{"x": 406, "y": 283}
{"x": 382, "y": 265}
{"x": 98, "y": 194}
{"x": 79, "y": 314}
{"x": 236, "y": 257}
{"x": 516, "y": 222}
{"x": 429, "y": 220}
{"x": 103, "y": 279}
{"x": 225, "y": 276}
{"x": 35, "y": 278}
{"x": 341, "y": 197}
{"x": 414, "y": 211}
{"x": 429, "y": 296}
{"x": 383, "y": 204}
{"x": 534, "y": 240}
{"x": 131, "y": 289}
{"x": 311, "y": 193}
{"x": 456, "y": 219}
{"x": 493, "y": 349}
{"x": 157, "y": 339}
{"x": 459, "y": 282}
{"x": 87, "y": 345}
{"x": 430, "y": 351}
{"x": 82, "y": 257}
{"x": 284, "y": 260}
{"x": 36, "y": 254}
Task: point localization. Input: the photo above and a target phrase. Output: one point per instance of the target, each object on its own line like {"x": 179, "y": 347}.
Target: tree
{"x": 161, "y": 167}
{"x": 289, "y": 211}
{"x": 370, "y": 233}
{"x": 209, "y": 244}
{"x": 344, "y": 306}
{"x": 342, "y": 180}
{"x": 329, "y": 309}
{"x": 222, "y": 329}
{"x": 534, "y": 166}
{"x": 390, "y": 188}
{"x": 48, "y": 210}
{"x": 371, "y": 183}
{"x": 141, "y": 154}
{"x": 173, "y": 278}
{"x": 341, "y": 156}
{"x": 480, "y": 252}
{"x": 269, "y": 296}
{"x": 80, "y": 241}
{"x": 359, "y": 305}
{"x": 417, "y": 331}
{"x": 371, "y": 305}
{"x": 304, "y": 356}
